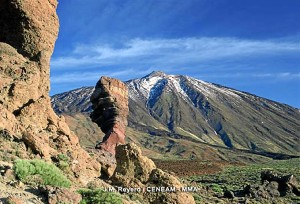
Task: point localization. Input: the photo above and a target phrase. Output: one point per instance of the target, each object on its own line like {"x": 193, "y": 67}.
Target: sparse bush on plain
{"x": 48, "y": 174}
{"x": 234, "y": 178}
{"x": 99, "y": 196}
{"x": 216, "y": 188}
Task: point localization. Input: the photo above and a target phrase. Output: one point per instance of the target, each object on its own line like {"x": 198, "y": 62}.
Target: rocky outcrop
{"x": 28, "y": 30}
{"x": 133, "y": 169}
{"x": 107, "y": 161}
{"x": 136, "y": 171}
{"x": 286, "y": 184}
{"x": 272, "y": 186}
{"x": 110, "y": 111}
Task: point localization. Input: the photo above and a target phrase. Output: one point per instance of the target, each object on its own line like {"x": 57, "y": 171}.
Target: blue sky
{"x": 249, "y": 45}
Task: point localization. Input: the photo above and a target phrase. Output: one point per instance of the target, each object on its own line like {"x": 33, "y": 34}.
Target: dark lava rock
{"x": 228, "y": 194}
{"x": 273, "y": 186}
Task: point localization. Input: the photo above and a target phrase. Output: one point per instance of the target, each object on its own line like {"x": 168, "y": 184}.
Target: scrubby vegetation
{"x": 99, "y": 196}
{"x": 236, "y": 177}
{"x": 40, "y": 172}
{"x": 63, "y": 162}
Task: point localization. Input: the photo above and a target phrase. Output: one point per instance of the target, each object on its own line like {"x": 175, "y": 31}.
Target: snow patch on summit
{"x": 141, "y": 87}
{"x": 150, "y": 87}
{"x": 148, "y": 83}
{"x": 174, "y": 82}
{"x": 212, "y": 90}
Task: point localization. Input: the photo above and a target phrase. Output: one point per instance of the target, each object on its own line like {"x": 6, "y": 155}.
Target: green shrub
{"x": 99, "y": 196}
{"x": 63, "y": 157}
{"x": 216, "y": 188}
{"x": 48, "y": 174}
{"x": 63, "y": 165}
{"x": 197, "y": 198}
{"x": 63, "y": 162}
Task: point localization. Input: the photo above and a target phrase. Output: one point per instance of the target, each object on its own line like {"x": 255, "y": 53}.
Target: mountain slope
{"x": 181, "y": 107}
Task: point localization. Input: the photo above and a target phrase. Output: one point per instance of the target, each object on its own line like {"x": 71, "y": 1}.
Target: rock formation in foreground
{"x": 28, "y": 30}
{"x": 137, "y": 171}
{"x": 110, "y": 111}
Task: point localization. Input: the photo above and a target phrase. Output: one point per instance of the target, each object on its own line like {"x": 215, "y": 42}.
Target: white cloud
{"x": 167, "y": 52}
{"x": 94, "y": 76}
{"x": 287, "y": 75}
{"x": 76, "y": 77}
{"x": 275, "y": 75}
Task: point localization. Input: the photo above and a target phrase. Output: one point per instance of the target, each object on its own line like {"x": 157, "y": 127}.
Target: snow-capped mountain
{"x": 181, "y": 107}
{"x": 77, "y": 100}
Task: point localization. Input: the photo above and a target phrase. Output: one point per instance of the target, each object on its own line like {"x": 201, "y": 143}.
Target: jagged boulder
{"x": 272, "y": 186}
{"x": 286, "y": 184}
{"x": 28, "y": 30}
{"x": 137, "y": 171}
{"x": 267, "y": 190}
{"x": 133, "y": 169}
{"x": 110, "y": 111}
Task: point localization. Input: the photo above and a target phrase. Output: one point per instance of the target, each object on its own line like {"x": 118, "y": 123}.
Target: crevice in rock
{"x": 18, "y": 111}
{"x": 11, "y": 89}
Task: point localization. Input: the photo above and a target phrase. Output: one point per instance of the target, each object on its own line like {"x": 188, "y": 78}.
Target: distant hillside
{"x": 178, "y": 113}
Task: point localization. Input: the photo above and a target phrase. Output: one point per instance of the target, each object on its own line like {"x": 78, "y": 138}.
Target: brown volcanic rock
{"x": 137, "y": 171}
{"x": 132, "y": 166}
{"x": 28, "y": 30}
{"x": 30, "y": 26}
{"x": 110, "y": 111}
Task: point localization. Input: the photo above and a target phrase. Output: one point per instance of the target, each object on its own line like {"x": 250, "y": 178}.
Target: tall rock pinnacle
{"x": 28, "y": 31}
{"x": 110, "y": 105}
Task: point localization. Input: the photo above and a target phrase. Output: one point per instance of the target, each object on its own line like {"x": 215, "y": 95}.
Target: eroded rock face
{"x": 110, "y": 111}
{"x": 28, "y": 30}
{"x": 137, "y": 171}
